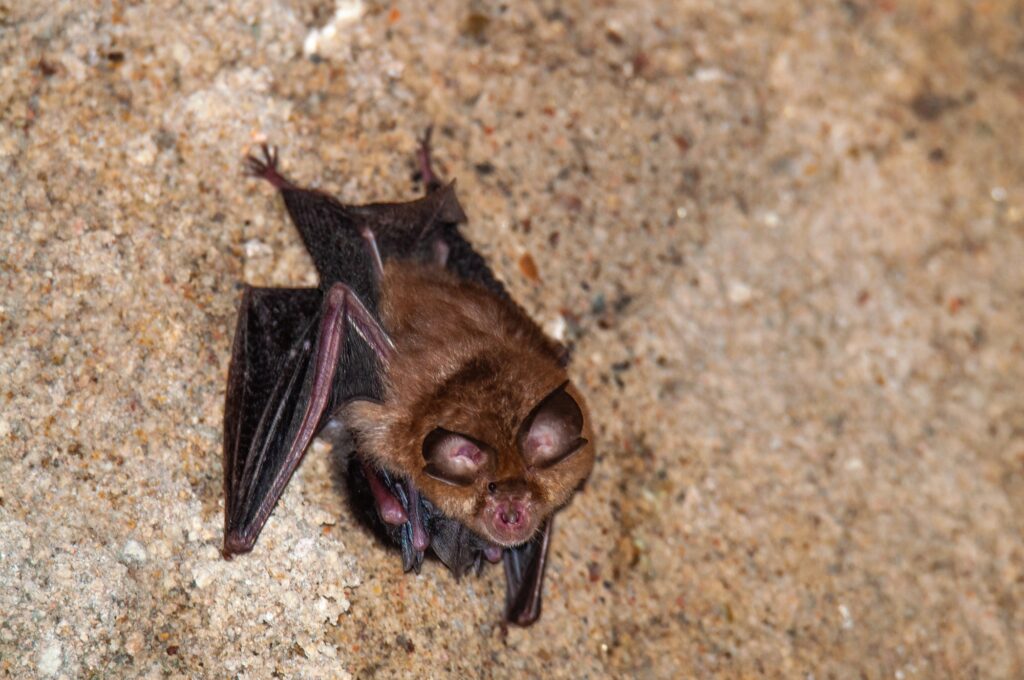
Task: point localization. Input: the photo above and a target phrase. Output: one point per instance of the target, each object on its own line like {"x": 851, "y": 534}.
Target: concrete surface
{"x": 785, "y": 238}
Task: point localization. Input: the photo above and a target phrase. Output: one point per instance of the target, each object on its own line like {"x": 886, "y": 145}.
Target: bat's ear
{"x": 553, "y": 431}
{"x": 453, "y": 458}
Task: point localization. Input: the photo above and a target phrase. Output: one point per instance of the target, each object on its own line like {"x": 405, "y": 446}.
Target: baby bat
{"x": 468, "y": 433}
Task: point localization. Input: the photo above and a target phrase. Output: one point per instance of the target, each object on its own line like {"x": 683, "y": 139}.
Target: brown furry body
{"x": 473, "y": 363}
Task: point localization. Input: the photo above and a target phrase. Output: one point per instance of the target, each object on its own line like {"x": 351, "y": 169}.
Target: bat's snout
{"x": 511, "y": 521}
{"x": 511, "y": 516}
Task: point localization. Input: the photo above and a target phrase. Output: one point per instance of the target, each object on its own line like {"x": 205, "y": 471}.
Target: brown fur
{"x": 472, "y": 363}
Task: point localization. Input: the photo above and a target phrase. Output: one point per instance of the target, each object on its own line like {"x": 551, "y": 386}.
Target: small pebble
{"x": 203, "y": 575}
{"x": 133, "y": 552}
{"x": 740, "y": 293}
{"x": 50, "y": 659}
{"x": 555, "y": 328}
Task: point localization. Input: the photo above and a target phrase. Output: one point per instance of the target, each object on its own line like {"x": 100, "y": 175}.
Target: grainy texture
{"x": 786, "y": 239}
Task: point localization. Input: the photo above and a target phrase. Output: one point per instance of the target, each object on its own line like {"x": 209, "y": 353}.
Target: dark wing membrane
{"x": 468, "y": 264}
{"x": 358, "y": 374}
{"x": 334, "y": 233}
{"x": 331, "y": 234}
{"x": 409, "y": 229}
{"x": 456, "y": 546}
{"x": 270, "y": 390}
{"x": 404, "y": 230}
{"x": 274, "y": 340}
{"x": 524, "y": 577}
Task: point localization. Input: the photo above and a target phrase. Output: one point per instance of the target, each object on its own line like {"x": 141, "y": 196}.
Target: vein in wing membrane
{"x": 267, "y": 385}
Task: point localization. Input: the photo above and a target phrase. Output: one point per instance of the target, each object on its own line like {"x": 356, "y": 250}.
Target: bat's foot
{"x": 423, "y": 161}
{"x": 266, "y": 167}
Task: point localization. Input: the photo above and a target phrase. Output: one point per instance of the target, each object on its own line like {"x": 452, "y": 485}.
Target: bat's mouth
{"x": 511, "y": 522}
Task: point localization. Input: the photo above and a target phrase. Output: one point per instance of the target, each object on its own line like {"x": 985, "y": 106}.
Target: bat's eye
{"x": 553, "y": 431}
{"x": 452, "y": 457}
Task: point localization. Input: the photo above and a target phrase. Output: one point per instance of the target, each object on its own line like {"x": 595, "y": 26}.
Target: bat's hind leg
{"x": 424, "y": 164}
{"x": 431, "y": 182}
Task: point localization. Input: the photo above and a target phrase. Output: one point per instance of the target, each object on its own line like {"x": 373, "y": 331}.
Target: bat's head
{"x": 498, "y": 456}
{"x": 503, "y": 472}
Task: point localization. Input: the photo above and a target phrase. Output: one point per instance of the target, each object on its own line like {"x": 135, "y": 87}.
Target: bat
{"x": 468, "y": 433}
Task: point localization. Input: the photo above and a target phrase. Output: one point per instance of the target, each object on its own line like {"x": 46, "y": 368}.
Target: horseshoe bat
{"x": 468, "y": 433}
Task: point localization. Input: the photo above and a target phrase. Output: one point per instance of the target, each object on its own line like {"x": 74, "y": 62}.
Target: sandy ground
{"x": 785, "y": 239}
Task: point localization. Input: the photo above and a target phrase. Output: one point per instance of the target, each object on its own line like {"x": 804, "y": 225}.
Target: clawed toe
{"x": 266, "y": 168}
